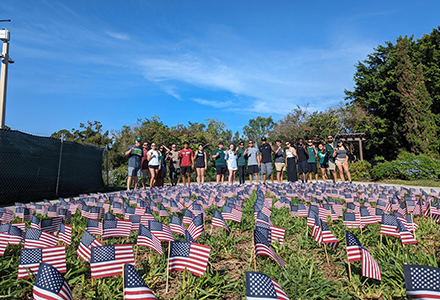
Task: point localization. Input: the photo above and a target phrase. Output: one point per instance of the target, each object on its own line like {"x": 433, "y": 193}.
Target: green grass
{"x": 306, "y": 275}
{"x": 418, "y": 182}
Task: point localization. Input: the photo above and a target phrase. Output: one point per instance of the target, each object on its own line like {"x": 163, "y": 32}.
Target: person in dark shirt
{"x": 302, "y": 153}
{"x": 330, "y": 149}
{"x": 266, "y": 159}
{"x": 135, "y": 155}
{"x": 241, "y": 162}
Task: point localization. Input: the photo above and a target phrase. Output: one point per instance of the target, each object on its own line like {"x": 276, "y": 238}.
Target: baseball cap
{"x": 263, "y": 138}
{"x": 138, "y": 139}
{"x": 339, "y": 141}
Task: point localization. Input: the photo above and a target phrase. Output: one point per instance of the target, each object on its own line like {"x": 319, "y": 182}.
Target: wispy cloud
{"x": 119, "y": 36}
{"x": 214, "y": 103}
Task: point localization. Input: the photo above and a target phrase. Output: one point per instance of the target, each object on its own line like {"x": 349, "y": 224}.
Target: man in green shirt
{"x": 220, "y": 163}
{"x": 241, "y": 162}
{"x": 311, "y": 161}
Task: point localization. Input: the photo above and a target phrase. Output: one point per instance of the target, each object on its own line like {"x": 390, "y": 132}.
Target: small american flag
{"x": 51, "y": 225}
{"x": 115, "y": 228}
{"x": 403, "y": 208}
{"x": 260, "y": 287}
{"x": 196, "y": 226}
{"x": 176, "y": 225}
{"x": 36, "y": 238}
{"x": 87, "y": 242}
{"x": 65, "y": 234}
{"x": 94, "y": 226}
{"x": 52, "y": 211}
{"x": 174, "y": 207}
{"x": 65, "y": 214}
{"x": 35, "y": 222}
{"x": 50, "y": 284}
{"x": 389, "y": 225}
{"x": 188, "y": 216}
{"x": 23, "y": 213}
{"x": 232, "y": 214}
{"x": 161, "y": 231}
{"x": 277, "y": 233}
{"x": 366, "y": 217}
{"x": 356, "y": 251}
{"x": 163, "y": 211}
{"x": 218, "y": 221}
{"x": 194, "y": 257}
{"x": 30, "y": 260}
{"x": 328, "y": 237}
{"x": 422, "y": 282}
{"x": 3, "y": 243}
{"x": 11, "y": 234}
{"x": 262, "y": 218}
{"x": 351, "y": 220}
{"x": 107, "y": 260}
{"x": 146, "y": 238}
{"x": 6, "y": 215}
{"x": 262, "y": 247}
{"x": 135, "y": 287}
{"x": 405, "y": 236}
{"x": 188, "y": 237}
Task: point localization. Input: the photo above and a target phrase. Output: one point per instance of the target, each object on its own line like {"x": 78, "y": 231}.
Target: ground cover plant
{"x": 307, "y": 274}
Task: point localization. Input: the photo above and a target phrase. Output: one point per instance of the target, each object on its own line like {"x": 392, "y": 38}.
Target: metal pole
{"x": 3, "y": 83}
{"x": 59, "y": 163}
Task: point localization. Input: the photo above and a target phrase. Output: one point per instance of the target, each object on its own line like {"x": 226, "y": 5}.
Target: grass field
{"x": 306, "y": 275}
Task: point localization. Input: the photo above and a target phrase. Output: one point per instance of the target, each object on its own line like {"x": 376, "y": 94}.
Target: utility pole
{"x": 5, "y": 61}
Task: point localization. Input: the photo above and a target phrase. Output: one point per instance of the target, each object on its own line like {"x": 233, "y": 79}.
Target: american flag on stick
{"x": 176, "y": 225}
{"x": 232, "y": 214}
{"x": 94, "y": 226}
{"x": 116, "y": 228}
{"x": 107, "y": 260}
{"x": 218, "y": 221}
{"x": 51, "y": 225}
{"x": 30, "y": 260}
{"x": 260, "y": 286}
{"x": 135, "y": 287}
{"x": 50, "y": 284}
{"x": 36, "y": 238}
{"x": 422, "y": 282}
{"x": 194, "y": 257}
{"x": 161, "y": 231}
{"x": 196, "y": 227}
{"x": 65, "y": 234}
{"x": 146, "y": 238}
{"x": 262, "y": 247}
{"x": 87, "y": 242}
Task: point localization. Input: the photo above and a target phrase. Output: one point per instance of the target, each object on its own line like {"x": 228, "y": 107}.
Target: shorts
{"x": 280, "y": 166}
{"x": 266, "y": 168}
{"x": 174, "y": 173}
{"x": 302, "y": 167}
{"x": 145, "y": 173}
{"x": 323, "y": 166}
{"x": 253, "y": 169}
{"x": 331, "y": 166}
{"x": 312, "y": 168}
{"x": 153, "y": 167}
{"x": 220, "y": 169}
{"x": 185, "y": 170}
{"x": 340, "y": 161}
{"x": 134, "y": 172}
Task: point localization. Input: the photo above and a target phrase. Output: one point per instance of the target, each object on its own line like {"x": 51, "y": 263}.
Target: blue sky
{"x": 117, "y": 61}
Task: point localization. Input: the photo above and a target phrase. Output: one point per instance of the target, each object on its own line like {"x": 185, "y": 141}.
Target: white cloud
{"x": 214, "y": 103}
{"x": 119, "y": 36}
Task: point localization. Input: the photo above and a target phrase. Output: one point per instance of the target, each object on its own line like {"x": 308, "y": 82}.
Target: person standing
{"x": 220, "y": 163}
{"x": 163, "y": 167}
{"x": 266, "y": 159}
{"x": 302, "y": 153}
{"x": 323, "y": 160}
{"x": 153, "y": 156}
{"x": 135, "y": 155}
{"x": 341, "y": 155}
{"x": 231, "y": 161}
{"x": 253, "y": 161}
{"x": 291, "y": 157}
{"x": 173, "y": 158}
{"x": 201, "y": 165}
{"x": 241, "y": 162}
{"x": 144, "y": 165}
{"x": 186, "y": 157}
{"x": 279, "y": 160}
{"x": 330, "y": 149}
{"x": 311, "y": 162}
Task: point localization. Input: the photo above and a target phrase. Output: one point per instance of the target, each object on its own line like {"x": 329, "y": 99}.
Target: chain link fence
{"x": 34, "y": 167}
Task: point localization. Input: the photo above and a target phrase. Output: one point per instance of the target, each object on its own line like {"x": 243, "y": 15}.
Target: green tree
{"x": 258, "y": 128}
{"x": 419, "y": 126}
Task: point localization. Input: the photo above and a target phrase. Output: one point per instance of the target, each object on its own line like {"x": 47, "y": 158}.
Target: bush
{"x": 408, "y": 166}
{"x": 360, "y": 170}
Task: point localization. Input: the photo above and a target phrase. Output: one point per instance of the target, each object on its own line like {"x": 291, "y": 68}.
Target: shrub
{"x": 360, "y": 170}
{"x": 408, "y": 166}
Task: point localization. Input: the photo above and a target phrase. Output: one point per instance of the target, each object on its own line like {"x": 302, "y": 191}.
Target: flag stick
{"x": 430, "y": 211}
{"x": 349, "y": 266}
{"x": 168, "y": 266}
{"x": 326, "y": 255}
{"x": 412, "y": 224}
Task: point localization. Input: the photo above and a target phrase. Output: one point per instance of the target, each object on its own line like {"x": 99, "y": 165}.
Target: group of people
{"x": 304, "y": 159}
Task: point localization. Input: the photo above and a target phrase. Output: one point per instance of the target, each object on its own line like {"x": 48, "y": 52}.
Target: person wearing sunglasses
{"x": 291, "y": 158}
{"x": 253, "y": 161}
{"x": 134, "y": 153}
{"x": 173, "y": 158}
{"x": 153, "y": 156}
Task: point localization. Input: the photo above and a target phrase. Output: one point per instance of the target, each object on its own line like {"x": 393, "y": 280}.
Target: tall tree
{"x": 258, "y": 128}
{"x": 419, "y": 126}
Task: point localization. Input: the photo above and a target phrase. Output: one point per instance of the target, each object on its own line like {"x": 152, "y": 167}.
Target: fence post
{"x": 59, "y": 164}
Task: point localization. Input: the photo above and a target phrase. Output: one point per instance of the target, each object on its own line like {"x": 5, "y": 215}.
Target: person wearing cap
{"x": 266, "y": 159}
{"x": 135, "y": 154}
{"x": 279, "y": 160}
{"x": 144, "y": 165}
{"x": 330, "y": 149}
{"x": 253, "y": 157}
{"x": 341, "y": 160}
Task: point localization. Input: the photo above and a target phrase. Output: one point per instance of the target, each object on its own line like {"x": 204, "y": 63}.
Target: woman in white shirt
{"x": 291, "y": 157}
{"x": 153, "y": 157}
{"x": 231, "y": 161}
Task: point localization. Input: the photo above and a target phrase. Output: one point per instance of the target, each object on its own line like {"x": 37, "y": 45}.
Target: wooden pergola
{"x": 353, "y": 137}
